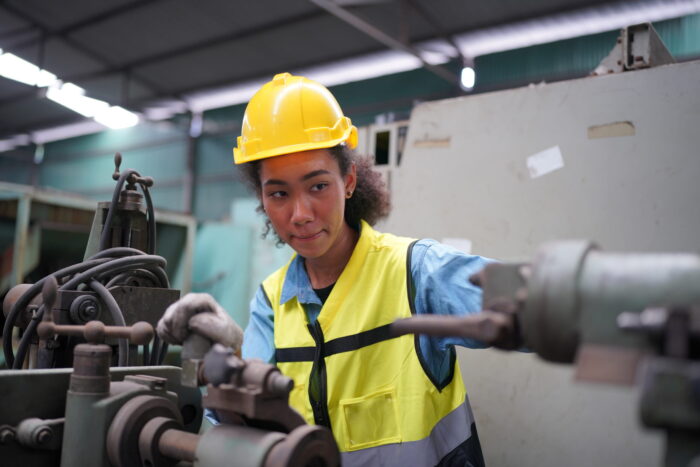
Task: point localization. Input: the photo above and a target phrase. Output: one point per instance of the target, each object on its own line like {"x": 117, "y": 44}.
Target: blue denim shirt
{"x": 441, "y": 278}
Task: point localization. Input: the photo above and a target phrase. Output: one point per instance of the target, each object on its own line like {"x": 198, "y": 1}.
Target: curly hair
{"x": 369, "y": 202}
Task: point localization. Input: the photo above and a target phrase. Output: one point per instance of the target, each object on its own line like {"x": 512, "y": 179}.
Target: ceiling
{"x": 140, "y": 53}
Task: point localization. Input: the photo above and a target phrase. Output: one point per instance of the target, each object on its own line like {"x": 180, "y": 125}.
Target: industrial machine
{"x": 81, "y": 393}
{"x": 621, "y": 318}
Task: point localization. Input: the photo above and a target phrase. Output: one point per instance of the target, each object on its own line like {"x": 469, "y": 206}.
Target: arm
{"x": 259, "y": 336}
{"x": 440, "y": 276}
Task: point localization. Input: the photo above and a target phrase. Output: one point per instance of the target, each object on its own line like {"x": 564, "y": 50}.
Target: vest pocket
{"x": 371, "y": 420}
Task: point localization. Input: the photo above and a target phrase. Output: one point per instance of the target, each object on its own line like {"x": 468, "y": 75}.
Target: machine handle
{"x": 96, "y": 332}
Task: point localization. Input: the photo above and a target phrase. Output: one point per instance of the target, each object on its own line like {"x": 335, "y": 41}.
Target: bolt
{"x": 6, "y": 435}
{"x": 43, "y": 436}
{"x": 90, "y": 312}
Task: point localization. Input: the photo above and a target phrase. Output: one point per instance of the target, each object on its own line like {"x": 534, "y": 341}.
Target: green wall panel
{"x": 213, "y": 199}
{"x": 215, "y": 156}
{"x": 681, "y": 36}
{"x": 15, "y": 171}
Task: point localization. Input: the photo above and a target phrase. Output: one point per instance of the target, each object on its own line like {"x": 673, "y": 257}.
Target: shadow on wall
{"x": 231, "y": 259}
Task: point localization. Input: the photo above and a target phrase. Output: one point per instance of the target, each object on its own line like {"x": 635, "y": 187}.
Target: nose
{"x": 302, "y": 211}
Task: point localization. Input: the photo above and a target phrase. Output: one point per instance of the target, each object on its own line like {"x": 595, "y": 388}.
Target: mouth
{"x": 307, "y": 237}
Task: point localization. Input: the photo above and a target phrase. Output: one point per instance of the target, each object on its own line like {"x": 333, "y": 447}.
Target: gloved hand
{"x": 199, "y": 313}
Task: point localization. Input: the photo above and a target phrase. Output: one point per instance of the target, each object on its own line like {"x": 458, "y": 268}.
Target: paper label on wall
{"x": 462, "y": 244}
{"x": 545, "y": 162}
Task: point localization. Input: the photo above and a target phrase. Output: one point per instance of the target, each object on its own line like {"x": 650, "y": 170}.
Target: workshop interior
{"x": 560, "y": 138}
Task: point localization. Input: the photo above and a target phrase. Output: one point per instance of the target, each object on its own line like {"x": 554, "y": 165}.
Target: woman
{"x": 323, "y": 318}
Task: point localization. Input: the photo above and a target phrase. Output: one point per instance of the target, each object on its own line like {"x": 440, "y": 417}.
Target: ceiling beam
{"x": 128, "y": 67}
{"x": 77, "y": 45}
{"x": 83, "y": 23}
{"x": 380, "y": 36}
{"x": 432, "y": 20}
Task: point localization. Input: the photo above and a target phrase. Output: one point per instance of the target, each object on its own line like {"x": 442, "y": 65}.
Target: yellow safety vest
{"x": 376, "y": 396}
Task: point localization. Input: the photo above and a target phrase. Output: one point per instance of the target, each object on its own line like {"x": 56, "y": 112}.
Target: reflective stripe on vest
{"x": 446, "y": 436}
{"x": 376, "y": 391}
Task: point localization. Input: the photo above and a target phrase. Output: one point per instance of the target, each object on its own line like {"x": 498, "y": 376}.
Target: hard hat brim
{"x": 350, "y": 138}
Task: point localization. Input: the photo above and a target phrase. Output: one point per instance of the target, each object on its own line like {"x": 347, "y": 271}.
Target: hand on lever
{"x": 199, "y": 313}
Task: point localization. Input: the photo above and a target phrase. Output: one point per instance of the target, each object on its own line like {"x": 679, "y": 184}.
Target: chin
{"x": 309, "y": 251}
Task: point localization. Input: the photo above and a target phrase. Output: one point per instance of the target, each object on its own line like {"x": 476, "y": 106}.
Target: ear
{"x": 351, "y": 179}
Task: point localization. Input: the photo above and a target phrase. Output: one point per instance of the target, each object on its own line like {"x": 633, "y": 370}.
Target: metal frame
{"x": 26, "y": 195}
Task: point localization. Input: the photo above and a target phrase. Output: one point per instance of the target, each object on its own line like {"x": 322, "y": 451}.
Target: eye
{"x": 319, "y": 186}
{"x": 277, "y": 194}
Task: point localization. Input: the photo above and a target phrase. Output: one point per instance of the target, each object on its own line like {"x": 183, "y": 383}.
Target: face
{"x": 304, "y": 195}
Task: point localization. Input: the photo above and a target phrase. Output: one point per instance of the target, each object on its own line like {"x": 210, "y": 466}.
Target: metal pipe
{"x": 178, "y": 444}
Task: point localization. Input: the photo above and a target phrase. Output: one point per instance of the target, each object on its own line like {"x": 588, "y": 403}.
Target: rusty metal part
{"x": 37, "y": 433}
{"x": 489, "y": 327}
{"x": 248, "y": 391}
{"x": 7, "y": 434}
{"x": 154, "y": 383}
{"x": 95, "y": 331}
{"x": 162, "y": 444}
{"x": 84, "y": 308}
{"x": 308, "y": 445}
{"x": 551, "y": 322}
{"x": 670, "y": 396}
{"x": 178, "y": 444}
{"x": 123, "y": 434}
{"x": 249, "y": 446}
{"x": 137, "y": 303}
{"x": 25, "y": 316}
{"x": 194, "y": 349}
{"x": 91, "y": 369}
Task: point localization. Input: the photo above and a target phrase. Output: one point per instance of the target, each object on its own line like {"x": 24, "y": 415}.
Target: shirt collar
{"x": 297, "y": 284}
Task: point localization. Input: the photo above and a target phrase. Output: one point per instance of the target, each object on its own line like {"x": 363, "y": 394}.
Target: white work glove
{"x": 199, "y": 313}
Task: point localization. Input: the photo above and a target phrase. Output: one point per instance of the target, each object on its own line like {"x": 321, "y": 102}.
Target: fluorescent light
{"x": 116, "y": 117}
{"x": 73, "y": 97}
{"x": 18, "y": 69}
{"x": 45, "y": 79}
{"x": 468, "y": 78}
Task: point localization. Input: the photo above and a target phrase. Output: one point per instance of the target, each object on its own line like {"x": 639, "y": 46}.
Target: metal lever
{"x": 95, "y": 332}
{"x": 490, "y": 327}
{"x": 133, "y": 178}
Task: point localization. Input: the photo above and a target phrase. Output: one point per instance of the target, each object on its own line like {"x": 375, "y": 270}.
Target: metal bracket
{"x": 638, "y": 46}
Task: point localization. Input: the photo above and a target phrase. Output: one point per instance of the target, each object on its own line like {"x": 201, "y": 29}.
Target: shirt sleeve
{"x": 440, "y": 276}
{"x": 259, "y": 336}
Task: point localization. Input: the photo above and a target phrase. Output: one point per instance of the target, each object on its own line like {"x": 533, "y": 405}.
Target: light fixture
{"x": 73, "y": 97}
{"x": 467, "y": 78}
{"x": 18, "y": 69}
{"x": 116, "y": 117}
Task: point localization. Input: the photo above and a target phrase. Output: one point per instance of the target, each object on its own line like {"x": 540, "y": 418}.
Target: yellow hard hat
{"x": 291, "y": 114}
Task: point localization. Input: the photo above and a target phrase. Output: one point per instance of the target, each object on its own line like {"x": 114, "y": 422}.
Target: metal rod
{"x": 486, "y": 326}
{"x": 178, "y": 444}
